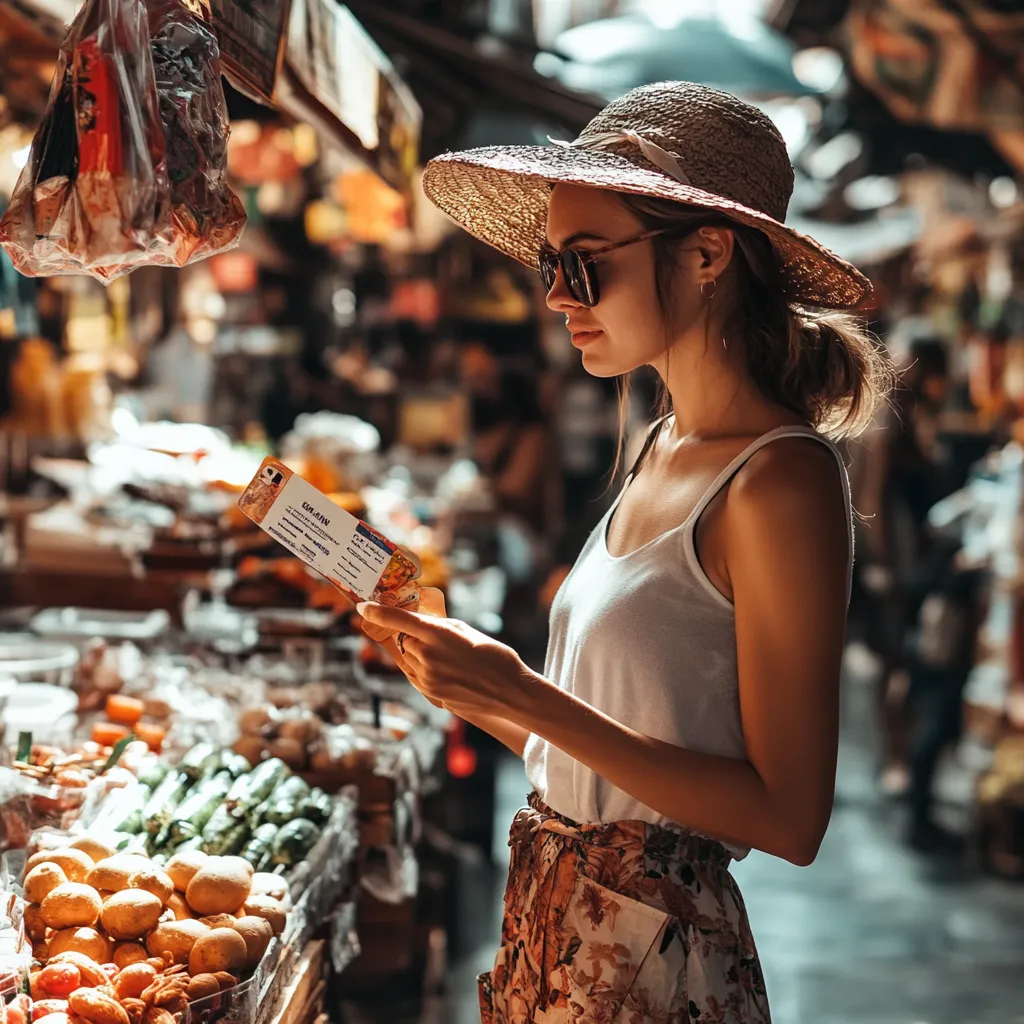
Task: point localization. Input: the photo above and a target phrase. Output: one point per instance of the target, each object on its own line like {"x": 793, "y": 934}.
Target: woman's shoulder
{"x": 796, "y": 476}
{"x": 787, "y": 519}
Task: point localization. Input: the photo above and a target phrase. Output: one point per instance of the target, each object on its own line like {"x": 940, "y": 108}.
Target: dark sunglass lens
{"x": 579, "y": 277}
{"x": 548, "y": 266}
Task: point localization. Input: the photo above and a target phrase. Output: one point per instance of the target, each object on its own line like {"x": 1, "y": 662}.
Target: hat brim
{"x": 500, "y": 195}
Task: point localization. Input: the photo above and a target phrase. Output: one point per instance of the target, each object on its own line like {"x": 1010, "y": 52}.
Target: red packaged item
{"x": 128, "y": 168}
{"x": 94, "y": 195}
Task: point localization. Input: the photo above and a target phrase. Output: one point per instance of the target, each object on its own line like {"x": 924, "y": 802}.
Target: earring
{"x": 709, "y": 294}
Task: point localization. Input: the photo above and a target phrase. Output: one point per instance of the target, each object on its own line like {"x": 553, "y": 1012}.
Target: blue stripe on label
{"x": 388, "y": 549}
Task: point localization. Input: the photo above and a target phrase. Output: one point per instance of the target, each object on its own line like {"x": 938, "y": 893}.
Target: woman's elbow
{"x": 802, "y": 841}
{"x": 802, "y": 854}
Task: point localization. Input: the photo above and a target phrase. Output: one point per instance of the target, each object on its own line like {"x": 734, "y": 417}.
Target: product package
{"x": 362, "y": 563}
{"x": 129, "y": 166}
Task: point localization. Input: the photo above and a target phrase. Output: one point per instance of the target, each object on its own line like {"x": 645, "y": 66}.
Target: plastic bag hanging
{"x": 94, "y": 196}
{"x": 129, "y": 166}
{"x": 207, "y": 216}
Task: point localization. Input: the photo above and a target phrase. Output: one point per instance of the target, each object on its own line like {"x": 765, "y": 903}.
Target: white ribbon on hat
{"x": 661, "y": 158}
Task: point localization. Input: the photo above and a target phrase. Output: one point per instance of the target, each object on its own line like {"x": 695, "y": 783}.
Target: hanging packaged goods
{"x": 129, "y": 166}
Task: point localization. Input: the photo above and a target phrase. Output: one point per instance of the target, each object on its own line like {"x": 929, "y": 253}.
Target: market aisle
{"x": 870, "y": 933}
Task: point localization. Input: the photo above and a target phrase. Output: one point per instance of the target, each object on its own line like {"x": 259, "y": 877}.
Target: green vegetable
{"x": 285, "y": 800}
{"x": 293, "y": 841}
{"x": 115, "y": 754}
{"x": 203, "y": 759}
{"x": 132, "y": 844}
{"x": 153, "y": 773}
{"x": 222, "y": 820}
{"x": 234, "y": 764}
{"x": 160, "y": 807}
{"x": 24, "y": 747}
{"x": 258, "y": 815}
{"x": 251, "y": 790}
{"x": 229, "y": 842}
{"x": 134, "y": 800}
{"x": 260, "y": 845}
{"x": 195, "y": 811}
{"x": 316, "y": 807}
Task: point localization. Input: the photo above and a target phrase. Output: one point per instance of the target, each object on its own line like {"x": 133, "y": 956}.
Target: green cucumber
{"x": 222, "y": 820}
{"x": 260, "y": 845}
{"x": 294, "y": 841}
{"x": 234, "y": 764}
{"x": 202, "y": 759}
{"x": 153, "y": 773}
{"x": 316, "y": 807}
{"x": 195, "y": 811}
{"x": 160, "y": 807}
{"x": 135, "y": 800}
{"x": 229, "y": 842}
{"x": 285, "y": 800}
{"x": 251, "y": 790}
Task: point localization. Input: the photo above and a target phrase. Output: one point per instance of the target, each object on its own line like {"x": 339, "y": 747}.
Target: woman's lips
{"x": 581, "y": 338}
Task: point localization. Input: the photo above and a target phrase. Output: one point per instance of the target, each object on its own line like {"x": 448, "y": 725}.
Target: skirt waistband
{"x": 659, "y": 840}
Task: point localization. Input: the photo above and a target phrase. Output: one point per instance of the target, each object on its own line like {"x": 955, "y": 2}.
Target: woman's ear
{"x": 716, "y": 247}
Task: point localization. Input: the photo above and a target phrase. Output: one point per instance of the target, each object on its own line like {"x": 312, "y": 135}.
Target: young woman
{"x": 689, "y": 706}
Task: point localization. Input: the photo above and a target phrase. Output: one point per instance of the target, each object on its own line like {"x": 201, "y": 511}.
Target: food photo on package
{"x": 361, "y": 562}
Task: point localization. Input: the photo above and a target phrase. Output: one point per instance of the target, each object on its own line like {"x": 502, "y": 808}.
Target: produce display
{"x": 44, "y": 784}
{"x": 120, "y": 939}
{"x": 214, "y": 802}
{"x": 177, "y": 853}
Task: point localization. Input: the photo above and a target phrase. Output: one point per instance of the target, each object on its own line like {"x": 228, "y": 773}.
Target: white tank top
{"x": 649, "y": 640}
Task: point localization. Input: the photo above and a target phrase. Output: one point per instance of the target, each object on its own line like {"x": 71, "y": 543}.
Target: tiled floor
{"x": 869, "y": 934}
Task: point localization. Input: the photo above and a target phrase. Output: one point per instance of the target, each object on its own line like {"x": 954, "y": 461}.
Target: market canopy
{"x": 737, "y": 53}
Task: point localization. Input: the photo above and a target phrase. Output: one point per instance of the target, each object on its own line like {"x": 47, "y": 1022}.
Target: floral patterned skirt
{"x": 622, "y": 923}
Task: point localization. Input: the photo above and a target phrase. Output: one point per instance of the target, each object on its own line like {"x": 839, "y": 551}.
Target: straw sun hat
{"x": 671, "y": 140}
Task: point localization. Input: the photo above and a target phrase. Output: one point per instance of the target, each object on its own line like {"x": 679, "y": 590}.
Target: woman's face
{"x": 627, "y": 328}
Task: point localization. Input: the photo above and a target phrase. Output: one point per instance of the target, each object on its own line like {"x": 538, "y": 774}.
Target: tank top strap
{"x": 750, "y": 451}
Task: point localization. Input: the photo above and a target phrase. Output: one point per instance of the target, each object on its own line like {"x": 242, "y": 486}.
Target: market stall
{"x": 185, "y": 837}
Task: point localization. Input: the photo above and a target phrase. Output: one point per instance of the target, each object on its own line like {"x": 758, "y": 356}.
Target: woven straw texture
{"x": 731, "y": 153}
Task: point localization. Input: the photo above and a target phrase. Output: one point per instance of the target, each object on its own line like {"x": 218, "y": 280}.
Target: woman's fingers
{"x": 432, "y": 602}
{"x": 423, "y": 627}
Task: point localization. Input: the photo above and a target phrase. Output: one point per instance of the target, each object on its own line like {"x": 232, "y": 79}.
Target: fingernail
{"x": 362, "y": 608}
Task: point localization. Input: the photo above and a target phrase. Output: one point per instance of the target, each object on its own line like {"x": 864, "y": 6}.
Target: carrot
{"x": 152, "y": 735}
{"x": 126, "y": 710}
{"x": 106, "y": 734}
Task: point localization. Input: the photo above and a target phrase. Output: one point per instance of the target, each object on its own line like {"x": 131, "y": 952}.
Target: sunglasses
{"x": 579, "y": 269}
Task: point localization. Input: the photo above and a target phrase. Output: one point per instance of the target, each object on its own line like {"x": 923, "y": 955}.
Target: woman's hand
{"x": 451, "y": 664}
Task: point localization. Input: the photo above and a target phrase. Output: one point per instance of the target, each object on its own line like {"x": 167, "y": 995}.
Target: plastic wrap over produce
{"x": 129, "y": 166}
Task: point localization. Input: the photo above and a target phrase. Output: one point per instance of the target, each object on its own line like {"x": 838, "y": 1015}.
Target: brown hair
{"x": 822, "y": 365}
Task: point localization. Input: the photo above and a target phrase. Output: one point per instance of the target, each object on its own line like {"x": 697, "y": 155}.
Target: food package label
{"x": 354, "y": 557}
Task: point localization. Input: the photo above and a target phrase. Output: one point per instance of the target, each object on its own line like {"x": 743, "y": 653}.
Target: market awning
{"x": 613, "y": 55}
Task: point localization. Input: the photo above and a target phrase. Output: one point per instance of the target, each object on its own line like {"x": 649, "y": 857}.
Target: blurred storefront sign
{"x": 334, "y": 73}
{"x": 251, "y": 34}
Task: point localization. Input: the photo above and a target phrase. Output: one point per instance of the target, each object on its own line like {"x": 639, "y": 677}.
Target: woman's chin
{"x": 599, "y": 365}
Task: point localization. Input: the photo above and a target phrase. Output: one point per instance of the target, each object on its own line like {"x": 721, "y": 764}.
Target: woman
{"x": 689, "y": 706}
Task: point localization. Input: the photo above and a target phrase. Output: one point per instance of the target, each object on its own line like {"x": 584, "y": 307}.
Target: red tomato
{"x": 60, "y": 980}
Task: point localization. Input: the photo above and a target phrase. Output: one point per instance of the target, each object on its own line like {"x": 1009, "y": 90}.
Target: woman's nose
{"x": 559, "y": 298}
